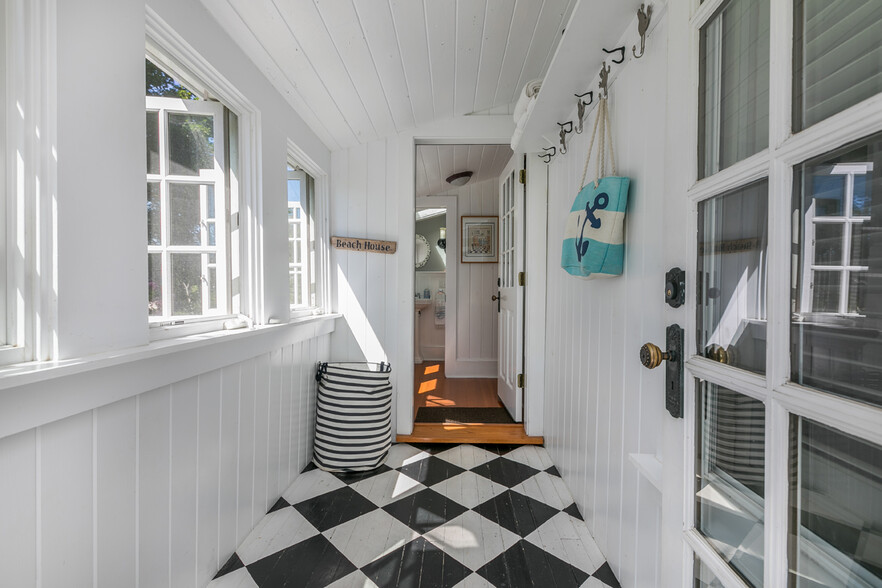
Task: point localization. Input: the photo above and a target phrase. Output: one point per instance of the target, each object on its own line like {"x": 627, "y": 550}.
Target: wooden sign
{"x": 369, "y": 245}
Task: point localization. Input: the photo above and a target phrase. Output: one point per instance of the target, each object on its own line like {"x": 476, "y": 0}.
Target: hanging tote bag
{"x": 353, "y": 422}
{"x": 594, "y": 235}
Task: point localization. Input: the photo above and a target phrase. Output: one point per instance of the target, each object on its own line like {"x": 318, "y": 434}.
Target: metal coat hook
{"x": 563, "y": 135}
{"x": 580, "y": 107}
{"x": 643, "y": 17}
{"x": 547, "y": 156}
{"x": 616, "y": 50}
{"x": 604, "y": 79}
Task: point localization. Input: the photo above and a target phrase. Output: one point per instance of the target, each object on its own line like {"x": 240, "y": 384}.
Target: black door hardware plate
{"x": 675, "y": 287}
{"x": 674, "y": 372}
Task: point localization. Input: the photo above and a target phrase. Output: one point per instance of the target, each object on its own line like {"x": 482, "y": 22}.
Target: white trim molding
{"x": 30, "y": 165}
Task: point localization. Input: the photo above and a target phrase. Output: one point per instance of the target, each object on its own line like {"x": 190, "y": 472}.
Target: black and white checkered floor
{"x": 439, "y": 516}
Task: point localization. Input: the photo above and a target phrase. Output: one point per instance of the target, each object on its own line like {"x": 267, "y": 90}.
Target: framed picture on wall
{"x": 480, "y": 239}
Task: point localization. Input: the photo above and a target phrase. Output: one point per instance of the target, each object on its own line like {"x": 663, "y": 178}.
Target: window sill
{"x": 36, "y": 393}
{"x": 10, "y": 355}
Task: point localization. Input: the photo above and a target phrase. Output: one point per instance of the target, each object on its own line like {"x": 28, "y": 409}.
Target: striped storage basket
{"x": 353, "y": 423}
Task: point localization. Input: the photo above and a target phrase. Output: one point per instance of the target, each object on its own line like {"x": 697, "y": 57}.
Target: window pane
{"x": 837, "y": 314}
{"x": 154, "y": 284}
{"x": 732, "y": 240}
{"x": 828, "y": 243}
{"x": 212, "y": 287}
{"x": 190, "y": 143}
{"x": 704, "y": 577}
{"x": 152, "y": 142}
{"x": 837, "y": 57}
{"x": 185, "y": 202}
{"x": 186, "y": 277}
{"x": 835, "y": 489}
{"x": 729, "y": 471}
{"x": 826, "y": 291}
{"x": 154, "y": 214}
{"x": 734, "y": 85}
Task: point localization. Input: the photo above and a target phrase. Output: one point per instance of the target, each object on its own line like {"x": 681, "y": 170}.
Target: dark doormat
{"x": 443, "y": 414}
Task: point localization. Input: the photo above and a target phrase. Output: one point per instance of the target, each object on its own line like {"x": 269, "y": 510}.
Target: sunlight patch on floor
{"x": 428, "y": 386}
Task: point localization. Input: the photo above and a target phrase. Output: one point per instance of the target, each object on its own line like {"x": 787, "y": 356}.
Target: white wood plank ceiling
{"x": 435, "y": 163}
{"x": 357, "y": 70}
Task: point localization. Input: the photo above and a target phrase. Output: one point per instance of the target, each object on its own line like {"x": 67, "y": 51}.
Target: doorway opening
{"x": 456, "y": 298}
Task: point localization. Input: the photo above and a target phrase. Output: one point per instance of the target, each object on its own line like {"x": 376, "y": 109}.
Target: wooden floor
{"x": 432, "y": 388}
{"x": 474, "y": 433}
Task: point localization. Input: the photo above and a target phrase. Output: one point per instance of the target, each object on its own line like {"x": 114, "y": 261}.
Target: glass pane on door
{"x": 730, "y": 477}
{"x": 836, "y": 294}
{"x": 733, "y": 85}
{"x": 732, "y": 241}
{"x": 704, "y": 577}
{"x": 836, "y": 504}
{"x": 837, "y": 57}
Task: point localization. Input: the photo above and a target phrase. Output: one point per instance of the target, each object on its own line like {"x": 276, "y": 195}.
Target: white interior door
{"x": 510, "y": 302}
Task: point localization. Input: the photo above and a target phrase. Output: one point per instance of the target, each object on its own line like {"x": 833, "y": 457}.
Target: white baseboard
{"x": 471, "y": 368}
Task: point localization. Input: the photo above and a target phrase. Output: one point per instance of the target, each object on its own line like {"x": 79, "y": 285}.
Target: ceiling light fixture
{"x": 460, "y": 179}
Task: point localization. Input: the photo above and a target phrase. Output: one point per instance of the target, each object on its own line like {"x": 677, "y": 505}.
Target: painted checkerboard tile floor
{"x": 434, "y": 516}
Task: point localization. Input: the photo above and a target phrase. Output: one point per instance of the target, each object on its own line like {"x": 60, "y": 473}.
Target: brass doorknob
{"x": 720, "y": 354}
{"x": 651, "y": 356}
{"x": 494, "y": 298}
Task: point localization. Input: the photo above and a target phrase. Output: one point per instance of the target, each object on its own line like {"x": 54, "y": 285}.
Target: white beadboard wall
{"x": 600, "y": 404}
{"x": 364, "y": 203}
{"x": 157, "y": 489}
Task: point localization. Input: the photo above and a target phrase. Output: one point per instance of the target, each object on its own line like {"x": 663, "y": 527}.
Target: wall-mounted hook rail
{"x": 547, "y": 156}
{"x": 604, "y": 80}
{"x": 616, "y": 50}
{"x": 643, "y": 17}
{"x": 580, "y": 107}
{"x": 563, "y": 135}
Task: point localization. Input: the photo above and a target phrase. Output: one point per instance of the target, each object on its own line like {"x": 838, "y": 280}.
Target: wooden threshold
{"x": 469, "y": 433}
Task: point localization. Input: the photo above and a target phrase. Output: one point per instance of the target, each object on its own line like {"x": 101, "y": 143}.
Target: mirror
{"x": 421, "y": 251}
{"x": 429, "y": 224}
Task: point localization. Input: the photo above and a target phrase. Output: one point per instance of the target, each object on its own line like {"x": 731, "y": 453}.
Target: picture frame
{"x": 479, "y": 241}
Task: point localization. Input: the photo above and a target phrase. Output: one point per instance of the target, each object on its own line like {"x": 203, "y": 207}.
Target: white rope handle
{"x": 590, "y": 147}
{"x": 602, "y": 120}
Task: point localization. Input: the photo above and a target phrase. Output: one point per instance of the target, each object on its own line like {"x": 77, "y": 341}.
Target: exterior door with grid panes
{"x": 785, "y": 394}
{"x": 186, "y": 210}
{"x": 511, "y": 290}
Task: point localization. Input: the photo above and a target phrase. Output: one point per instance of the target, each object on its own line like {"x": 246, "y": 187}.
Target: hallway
{"x": 434, "y": 515}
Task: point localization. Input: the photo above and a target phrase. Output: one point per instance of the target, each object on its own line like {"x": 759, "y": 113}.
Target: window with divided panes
{"x": 188, "y": 205}
{"x": 301, "y": 239}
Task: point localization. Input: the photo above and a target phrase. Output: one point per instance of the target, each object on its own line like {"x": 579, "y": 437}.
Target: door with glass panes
{"x": 784, "y": 402}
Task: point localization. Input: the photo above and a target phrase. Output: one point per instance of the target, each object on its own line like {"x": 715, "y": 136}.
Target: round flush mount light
{"x": 460, "y": 179}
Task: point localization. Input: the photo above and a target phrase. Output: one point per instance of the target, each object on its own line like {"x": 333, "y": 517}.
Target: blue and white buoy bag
{"x": 594, "y": 234}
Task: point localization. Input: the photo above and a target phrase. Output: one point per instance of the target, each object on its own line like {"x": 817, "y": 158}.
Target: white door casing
{"x": 511, "y": 292}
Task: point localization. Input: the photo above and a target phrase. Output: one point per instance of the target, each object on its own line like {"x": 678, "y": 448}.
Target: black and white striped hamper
{"x": 353, "y": 422}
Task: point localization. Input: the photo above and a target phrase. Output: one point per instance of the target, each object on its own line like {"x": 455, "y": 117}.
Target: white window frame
{"x": 781, "y": 397}
{"x": 166, "y": 46}
{"x": 28, "y": 176}
{"x": 298, "y": 216}
{"x": 320, "y": 225}
{"x": 215, "y": 177}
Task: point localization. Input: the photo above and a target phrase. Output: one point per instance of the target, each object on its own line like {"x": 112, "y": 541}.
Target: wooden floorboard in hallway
{"x": 433, "y": 388}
